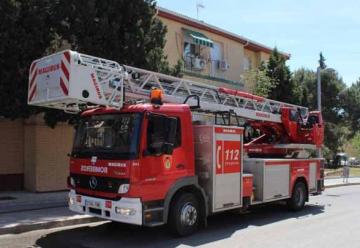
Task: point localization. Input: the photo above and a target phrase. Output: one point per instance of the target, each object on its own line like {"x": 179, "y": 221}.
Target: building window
{"x": 196, "y": 50}
{"x": 247, "y": 63}
{"x": 191, "y": 50}
{"x": 194, "y": 57}
{"x": 217, "y": 62}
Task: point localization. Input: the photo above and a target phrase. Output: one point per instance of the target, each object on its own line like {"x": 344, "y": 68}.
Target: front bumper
{"x": 126, "y": 210}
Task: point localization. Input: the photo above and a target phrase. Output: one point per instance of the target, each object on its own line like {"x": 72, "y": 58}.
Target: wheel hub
{"x": 188, "y": 215}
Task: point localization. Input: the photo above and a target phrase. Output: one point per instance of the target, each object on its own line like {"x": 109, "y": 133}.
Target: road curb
{"x": 341, "y": 185}
{"x": 30, "y": 208}
{"x": 50, "y": 224}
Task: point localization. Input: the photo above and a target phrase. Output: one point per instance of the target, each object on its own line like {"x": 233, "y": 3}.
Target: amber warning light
{"x": 156, "y": 96}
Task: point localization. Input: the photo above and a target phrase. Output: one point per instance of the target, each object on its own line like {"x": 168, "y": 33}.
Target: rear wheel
{"x": 184, "y": 215}
{"x": 298, "y": 197}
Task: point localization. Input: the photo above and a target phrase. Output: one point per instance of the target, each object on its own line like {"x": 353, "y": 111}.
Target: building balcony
{"x": 210, "y": 70}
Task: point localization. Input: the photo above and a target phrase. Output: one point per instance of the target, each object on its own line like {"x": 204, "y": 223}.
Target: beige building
{"x": 210, "y": 54}
{"x": 34, "y": 156}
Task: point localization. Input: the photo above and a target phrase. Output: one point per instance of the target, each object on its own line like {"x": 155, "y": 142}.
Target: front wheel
{"x": 298, "y": 197}
{"x": 184, "y": 215}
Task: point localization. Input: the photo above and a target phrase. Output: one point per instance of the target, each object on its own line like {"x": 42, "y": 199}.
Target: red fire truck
{"x": 152, "y": 149}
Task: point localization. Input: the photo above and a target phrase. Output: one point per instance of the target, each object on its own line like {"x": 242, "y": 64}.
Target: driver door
{"x": 160, "y": 140}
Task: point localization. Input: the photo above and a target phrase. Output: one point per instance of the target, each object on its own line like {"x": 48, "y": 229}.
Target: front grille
{"x": 95, "y": 211}
{"x": 103, "y": 184}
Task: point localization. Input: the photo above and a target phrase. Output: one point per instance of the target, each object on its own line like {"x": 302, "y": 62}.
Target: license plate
{"x": 93, "y": 204}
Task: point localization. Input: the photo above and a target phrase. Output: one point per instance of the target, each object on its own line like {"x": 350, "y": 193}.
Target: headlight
{"x": 124, "y": 188}
{"x": 125, "y": 211}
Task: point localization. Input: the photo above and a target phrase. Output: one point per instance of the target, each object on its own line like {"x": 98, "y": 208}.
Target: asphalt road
{"x": 329, "y": 220}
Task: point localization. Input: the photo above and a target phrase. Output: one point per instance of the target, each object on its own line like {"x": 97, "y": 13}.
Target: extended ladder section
{"x": 73, "y": 81}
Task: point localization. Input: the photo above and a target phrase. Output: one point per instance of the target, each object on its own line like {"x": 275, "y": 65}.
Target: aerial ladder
{"x": 73, "y": 82}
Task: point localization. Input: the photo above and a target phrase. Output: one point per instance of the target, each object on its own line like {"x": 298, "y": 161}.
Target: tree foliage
{"x": 25, "y": 33}
{"x": 120, "y": 30}
{"x": 286, "y": 89}
{"x": 332, "y": 87}
{"x": 340, "y": 106}
{"x": 350, "y": 99}
{"x": 322, "y": 61}
{"x": 258, "y": 82}
{"x": 355, "y": 143}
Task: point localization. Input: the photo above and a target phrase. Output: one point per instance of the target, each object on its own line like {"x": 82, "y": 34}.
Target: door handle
{"x": 180, "y": 166}
{"x": 218, "y": 165}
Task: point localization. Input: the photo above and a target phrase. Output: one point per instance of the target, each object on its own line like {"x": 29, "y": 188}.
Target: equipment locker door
{"x": 228, "y": 168}
{"x": 312, "y": 176}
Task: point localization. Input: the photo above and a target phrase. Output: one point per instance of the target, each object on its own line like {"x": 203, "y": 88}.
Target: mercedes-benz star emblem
{"x": 93, "y": 182}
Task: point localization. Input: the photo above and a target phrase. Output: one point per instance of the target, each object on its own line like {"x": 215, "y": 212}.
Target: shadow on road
{"x": 220, "y": 227}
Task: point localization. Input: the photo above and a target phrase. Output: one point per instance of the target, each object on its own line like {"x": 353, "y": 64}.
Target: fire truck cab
{"x": 135, "y": 160}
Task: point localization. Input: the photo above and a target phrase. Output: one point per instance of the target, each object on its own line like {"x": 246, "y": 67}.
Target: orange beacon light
{"x": 156, "y": 96}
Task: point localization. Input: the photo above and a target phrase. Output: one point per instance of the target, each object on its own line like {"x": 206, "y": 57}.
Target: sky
{"x": 302, "y": 28}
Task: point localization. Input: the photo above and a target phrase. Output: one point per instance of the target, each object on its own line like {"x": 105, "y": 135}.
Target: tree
{"x": 350, "y": 99}
{"x": 332, "y": 86}
{"x": 322, "y": 61}
{"x": 306, "y": 79}
{"x": 258, "y": 82}
{"x": 355, "y": 143}
{"x": 120, "y": 30}
{"x": 285, "y": 90}
{"x": 25, "y": 34}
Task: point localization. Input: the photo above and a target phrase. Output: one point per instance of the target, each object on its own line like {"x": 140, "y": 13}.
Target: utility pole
{"x": 318, "y": 73}
{"x": 319, "y": 88}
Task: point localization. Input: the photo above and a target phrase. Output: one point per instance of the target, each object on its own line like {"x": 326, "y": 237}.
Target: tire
{"x": 298, "y": 197}
{"x": 184, "y": 215}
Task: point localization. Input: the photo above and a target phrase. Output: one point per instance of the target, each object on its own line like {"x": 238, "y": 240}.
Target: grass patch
{"x": 354, "y": 172}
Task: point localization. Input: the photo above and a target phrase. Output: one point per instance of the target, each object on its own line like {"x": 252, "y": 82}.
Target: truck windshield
{"x": 114, "y": 136}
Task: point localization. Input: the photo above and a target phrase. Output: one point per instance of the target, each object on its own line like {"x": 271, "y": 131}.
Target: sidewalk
{"x": 25, "y": 211}
{"x": 15, "y": 201}
{"x": 331, "y": 182}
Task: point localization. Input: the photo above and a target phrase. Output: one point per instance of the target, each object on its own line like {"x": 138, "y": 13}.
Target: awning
{"x": 199, "y": 38}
